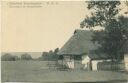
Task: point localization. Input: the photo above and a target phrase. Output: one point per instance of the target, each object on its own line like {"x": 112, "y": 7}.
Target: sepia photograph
{"x": 64, "y": 41}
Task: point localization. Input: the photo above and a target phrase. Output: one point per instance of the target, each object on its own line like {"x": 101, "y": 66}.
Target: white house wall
{"x": 94, "y": 64}
{"x": 85, "y": 60}
{"x": 126, "y": 61}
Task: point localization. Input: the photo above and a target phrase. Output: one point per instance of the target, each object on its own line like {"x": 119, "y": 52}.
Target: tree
{"x": 45, "y": 56}
{"x": 126, "y": 3}
{"x": 55, "y": 55}
{"x": 9, "y": 57}
{"x": 115, "y": 27}
{"x": 51, "y": 55}
{"x": 127, "y": 7}
{"x": 26, "y": 56}
{"x": 102, "y": 13}
{"x": 56, "y": 50}
{"x": 16, "y": 58}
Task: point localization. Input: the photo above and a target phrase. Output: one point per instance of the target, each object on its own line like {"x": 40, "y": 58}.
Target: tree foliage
{"x": 9, "y": 57}
{"x": 115, "y": 33}
{"x": 51, "y": 55}
{"x": 26, "y": 56}
{"x": 102, "y": 13}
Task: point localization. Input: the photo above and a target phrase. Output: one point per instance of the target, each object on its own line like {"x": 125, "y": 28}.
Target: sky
{"x": 38, "y": 29}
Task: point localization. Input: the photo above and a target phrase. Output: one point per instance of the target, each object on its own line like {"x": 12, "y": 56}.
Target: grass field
{"x": 37, "y": 71}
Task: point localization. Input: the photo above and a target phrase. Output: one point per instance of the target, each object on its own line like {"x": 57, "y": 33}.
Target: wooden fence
{"x": 112, "y": 66}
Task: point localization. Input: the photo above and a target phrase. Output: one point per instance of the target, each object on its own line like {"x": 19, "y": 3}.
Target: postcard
{"x": 64, "y": 41}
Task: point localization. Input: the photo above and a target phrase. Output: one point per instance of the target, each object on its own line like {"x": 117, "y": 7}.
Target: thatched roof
{"x": 79, "y": 44}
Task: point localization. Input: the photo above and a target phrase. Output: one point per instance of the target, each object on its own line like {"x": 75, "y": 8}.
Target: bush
{"x": 50, "y": 56}
{"x": 9, "y": 57}
{"x": 26, "y": 57}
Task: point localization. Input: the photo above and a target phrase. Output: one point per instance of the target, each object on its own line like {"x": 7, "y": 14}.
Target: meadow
{"x": 38, "y": 71}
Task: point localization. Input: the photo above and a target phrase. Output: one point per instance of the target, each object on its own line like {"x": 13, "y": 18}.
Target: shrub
{"x": 26, "y": 57}
{"x": 9, "y": 57}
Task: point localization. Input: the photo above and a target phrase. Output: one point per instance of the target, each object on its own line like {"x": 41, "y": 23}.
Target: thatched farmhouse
{"x": 79, "y": 50}
{"x": 76, "y": 47}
